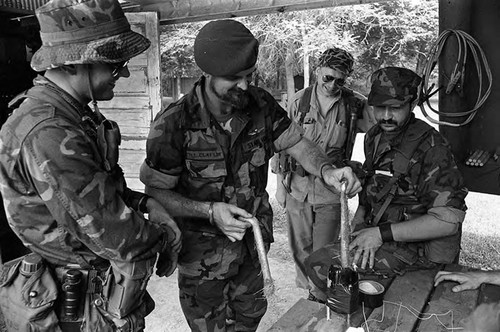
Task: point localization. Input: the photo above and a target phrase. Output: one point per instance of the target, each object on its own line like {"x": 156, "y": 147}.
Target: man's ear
{"x": 70, "y": 69}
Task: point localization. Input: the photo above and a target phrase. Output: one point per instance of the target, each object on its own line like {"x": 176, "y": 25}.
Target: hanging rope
{"x": 456, "y": 79}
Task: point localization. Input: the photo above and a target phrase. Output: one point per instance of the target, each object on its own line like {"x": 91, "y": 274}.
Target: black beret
{"x": 225, "y": 48}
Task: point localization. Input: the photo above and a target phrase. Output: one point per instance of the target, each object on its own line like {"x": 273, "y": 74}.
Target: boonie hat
{"x": 337, "y": 59}
{"x": 85, "y": 31}
{"x": 393, "y": 86}
{"x": 226, "y": 48}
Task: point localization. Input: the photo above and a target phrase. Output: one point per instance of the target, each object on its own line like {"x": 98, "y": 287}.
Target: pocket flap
{"x": 40, "y": 289}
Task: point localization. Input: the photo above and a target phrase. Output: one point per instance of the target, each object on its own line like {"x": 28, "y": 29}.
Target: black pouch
{"x": 27, "y": 303}
{"x": 343, "y": 290}
{"x": 109, "y": 138}
{"x": 125, "y": 286}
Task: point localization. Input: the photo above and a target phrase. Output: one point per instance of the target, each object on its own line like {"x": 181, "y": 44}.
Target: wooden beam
{"x": 182, "y": 11}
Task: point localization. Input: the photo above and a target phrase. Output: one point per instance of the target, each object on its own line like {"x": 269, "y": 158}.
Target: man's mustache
{"x": 388, "y": 122}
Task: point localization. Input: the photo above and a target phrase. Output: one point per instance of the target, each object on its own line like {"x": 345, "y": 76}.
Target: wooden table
{"x": 411, "y": 303}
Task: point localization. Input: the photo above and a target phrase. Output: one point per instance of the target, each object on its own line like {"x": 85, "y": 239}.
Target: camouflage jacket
{"x": 59, "y": 198}
{"x": 189, "y": 152}
{"x": 329, "y": 133}
{"x": 432, "y": 180}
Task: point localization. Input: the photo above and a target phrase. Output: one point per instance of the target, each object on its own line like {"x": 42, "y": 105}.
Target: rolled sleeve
{"x": 156, "y": 179}
{"x": 447, "y": 214}
{"x": 291, "y": 136}
{"x": 164, "y": 151}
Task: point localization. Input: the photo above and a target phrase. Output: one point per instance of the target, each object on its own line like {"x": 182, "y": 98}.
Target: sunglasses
{"x": 336, "y": 80}
{"x": 117, "y": 68}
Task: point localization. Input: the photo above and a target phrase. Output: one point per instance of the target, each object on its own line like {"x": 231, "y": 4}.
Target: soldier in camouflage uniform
{"x": 207, "y": 162}
{"x": 412, "y": 204}
{"x": 64, "y": 194}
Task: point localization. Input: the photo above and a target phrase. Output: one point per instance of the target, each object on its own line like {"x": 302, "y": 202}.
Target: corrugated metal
{"x": 179, "y": 11}
{"x": 21, "y": 6}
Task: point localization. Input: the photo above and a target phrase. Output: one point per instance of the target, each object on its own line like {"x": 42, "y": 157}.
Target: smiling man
{"x": 330, "y": 114}
{"x": 412, "y": 204}
{"x": 207, "y": 162}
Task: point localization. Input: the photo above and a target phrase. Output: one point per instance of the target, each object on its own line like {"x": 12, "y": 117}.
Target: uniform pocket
{"x": 201, "y": 254}
{"x": 207, "y": 255}
{"x": 339, "y": 136}
{"x": 27, "y": 303}
{"x": 206, "y": 168}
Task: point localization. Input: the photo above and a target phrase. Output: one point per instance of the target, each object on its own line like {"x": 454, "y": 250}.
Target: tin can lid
{"x": 371, "y": 287}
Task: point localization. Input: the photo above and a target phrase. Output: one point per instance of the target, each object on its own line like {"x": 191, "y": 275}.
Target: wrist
{"x": 142, "y": 206}
{"x": 323, "y": 168}
{"x": 386, "y": 232}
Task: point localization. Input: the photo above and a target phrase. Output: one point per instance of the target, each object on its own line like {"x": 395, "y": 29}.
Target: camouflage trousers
{"x": 310, "y": 228}
{"x": 233, "y": 301}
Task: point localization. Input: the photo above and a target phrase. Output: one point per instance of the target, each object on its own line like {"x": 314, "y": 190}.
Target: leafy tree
{"x": 177, "y": 54}
{"x": 388, "y": 33}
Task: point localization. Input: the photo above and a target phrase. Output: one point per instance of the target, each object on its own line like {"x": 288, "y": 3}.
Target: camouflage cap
{"x": 226, "y": 48}
{"x": 337, "y": 59}
{"x": 85, "y": 31}
{"x": 393, "y": 86}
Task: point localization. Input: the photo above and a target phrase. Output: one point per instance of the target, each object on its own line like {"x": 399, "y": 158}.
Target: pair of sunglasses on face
{"x": 117, "y": 68}
{"x": 338, "y": 81}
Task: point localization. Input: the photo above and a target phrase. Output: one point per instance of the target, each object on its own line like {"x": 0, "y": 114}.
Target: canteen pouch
{"x": 109, "y": 139}
{"x": 27, "y": 303}
{"x": 125, "y": 286}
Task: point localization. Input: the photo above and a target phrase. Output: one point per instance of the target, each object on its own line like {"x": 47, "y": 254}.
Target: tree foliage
{"x": 389, "y": 33}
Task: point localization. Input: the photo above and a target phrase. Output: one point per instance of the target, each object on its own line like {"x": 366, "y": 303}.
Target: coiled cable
{"x": 465, "y": 43}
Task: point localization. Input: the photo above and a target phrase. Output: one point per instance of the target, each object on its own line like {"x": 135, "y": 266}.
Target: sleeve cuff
{"x": 447, "y": 214}
{"x": 156, "y": 179}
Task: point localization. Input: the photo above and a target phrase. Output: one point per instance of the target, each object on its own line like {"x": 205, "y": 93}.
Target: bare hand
{"x": 335, "y": 176}
{"x": 466, "y": 280}
{"x": 159, "y": 215}
{"x": 367, "y": 241}
{"x": 226, "y": 218}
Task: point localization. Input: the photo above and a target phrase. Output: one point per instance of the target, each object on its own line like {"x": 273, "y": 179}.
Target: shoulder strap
{"x": 18, "y": 100}
{"x": 305, "y": 104}
{"x": 286, "y": 163}
{"x": 420, "y": 130}
{"x": 401, "y": 164}
{"x": 353, "y": 109}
